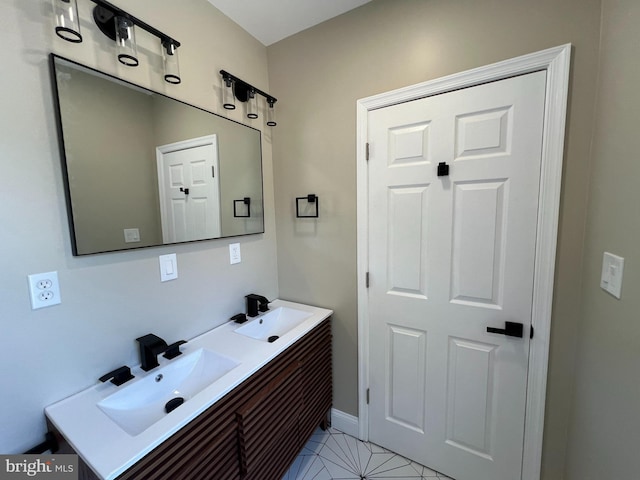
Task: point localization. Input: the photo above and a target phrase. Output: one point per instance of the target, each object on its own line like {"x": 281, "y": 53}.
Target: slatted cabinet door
{"x": 275, "y": 408}
{"x": 316, "y": 383}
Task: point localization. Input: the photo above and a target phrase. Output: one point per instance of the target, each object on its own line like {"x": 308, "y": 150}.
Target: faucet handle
{"x": 263, "y": 304}
{"x": 173, "y": 350}
{"x": 118, "y": 376}
{"x": 239, "y": 318}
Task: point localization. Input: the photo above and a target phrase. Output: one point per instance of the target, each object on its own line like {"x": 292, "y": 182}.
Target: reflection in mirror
{"x": 143, "y": 169}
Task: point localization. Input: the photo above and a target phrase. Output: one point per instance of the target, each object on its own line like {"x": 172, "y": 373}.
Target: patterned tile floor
{"x": 335, "y": 455}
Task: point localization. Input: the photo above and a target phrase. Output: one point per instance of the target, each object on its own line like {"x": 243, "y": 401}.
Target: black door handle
{"x": 511, "y": 329}
{"x": 185, "y": 190}
{"x": 443, "y": 169}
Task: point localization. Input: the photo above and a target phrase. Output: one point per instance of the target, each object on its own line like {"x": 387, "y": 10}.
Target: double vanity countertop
{"x": 109, "y": 450}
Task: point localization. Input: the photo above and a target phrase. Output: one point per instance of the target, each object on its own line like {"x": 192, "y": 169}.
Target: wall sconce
{"x": 119, "y": 26}
{"x": 235, "y": 88}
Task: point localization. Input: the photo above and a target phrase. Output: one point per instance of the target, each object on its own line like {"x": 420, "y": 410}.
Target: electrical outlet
{"x": 44, "y": 289}
{"x": 44, "y": 284}
{"x": 46, "y": 296}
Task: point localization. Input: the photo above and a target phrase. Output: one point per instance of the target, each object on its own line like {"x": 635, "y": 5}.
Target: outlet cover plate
{"x": 44, "y": 290}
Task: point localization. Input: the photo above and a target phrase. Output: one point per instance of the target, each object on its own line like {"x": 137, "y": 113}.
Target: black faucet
{"x": 150, "y": 347}
{"x": 255, "y": 303}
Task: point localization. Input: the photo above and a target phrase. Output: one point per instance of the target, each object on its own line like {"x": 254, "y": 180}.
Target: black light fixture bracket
{"x": 105, "y": 13}
{"x": 241, "y": 88}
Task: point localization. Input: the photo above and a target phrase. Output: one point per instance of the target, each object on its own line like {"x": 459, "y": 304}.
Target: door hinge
{"x": 367, "y": 151}
{"x": 366, "y": 280}
{"x": 531, "y": 332}
{"x": 367, "y": 396}
{"x": 213, "y": 171}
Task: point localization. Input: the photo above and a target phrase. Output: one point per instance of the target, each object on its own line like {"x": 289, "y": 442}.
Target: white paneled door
{"x": 189, "y": 189}
{"x": 449, "y": 256}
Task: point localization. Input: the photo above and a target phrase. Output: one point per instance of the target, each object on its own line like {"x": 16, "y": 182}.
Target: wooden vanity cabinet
{"x": 256, "y": 430}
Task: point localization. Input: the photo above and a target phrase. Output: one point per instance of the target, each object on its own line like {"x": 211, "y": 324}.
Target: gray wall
{"x": 321, "y": 72}
{"x": 107, "y": 300}
{"x": 604, "y": 440}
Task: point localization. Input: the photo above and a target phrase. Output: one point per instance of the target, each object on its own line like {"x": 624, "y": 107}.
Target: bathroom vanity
{"x": 250, "y": 423}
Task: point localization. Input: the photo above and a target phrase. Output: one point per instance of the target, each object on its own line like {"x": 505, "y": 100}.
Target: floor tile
{"x": 333, "y": 455}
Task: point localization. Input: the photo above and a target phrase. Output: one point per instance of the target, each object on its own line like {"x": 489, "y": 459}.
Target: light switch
{"x": 131, "y": 235}
{"x": 234, "y": 253}
{"x": 168, "y": 267}
{"x": 612, "y": 270}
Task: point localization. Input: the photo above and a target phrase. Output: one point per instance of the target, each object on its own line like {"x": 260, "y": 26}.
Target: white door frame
{"x": 556, "y": 62}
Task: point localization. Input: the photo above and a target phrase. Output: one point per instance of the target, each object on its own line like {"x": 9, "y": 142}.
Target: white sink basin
{"x": 274, "y": 323}
{"x": 138, "y": 406}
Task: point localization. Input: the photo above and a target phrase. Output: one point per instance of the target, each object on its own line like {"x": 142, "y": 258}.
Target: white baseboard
{"x": 344, "y": 422}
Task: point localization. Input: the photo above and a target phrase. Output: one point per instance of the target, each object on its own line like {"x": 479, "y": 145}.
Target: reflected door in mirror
{"x": 189, "y": 190}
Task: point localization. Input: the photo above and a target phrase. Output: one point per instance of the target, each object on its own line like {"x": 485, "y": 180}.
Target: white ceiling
{"x": 272, "y": 20}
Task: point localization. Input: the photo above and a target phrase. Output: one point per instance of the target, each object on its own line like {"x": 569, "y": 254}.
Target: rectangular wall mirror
{"x": 143, "y": 169}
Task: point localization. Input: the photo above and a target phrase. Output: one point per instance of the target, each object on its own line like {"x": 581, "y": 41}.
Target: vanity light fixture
{"x": 120, "y": 27}
{"x": 126, "y": 42}
{"x": 228, "y": 97}
{"x": 252, "y": 104}
{"x": 271, "y": 113}
{"x": 235, "y": 88}
{"x": 67, "y": 23}
{"x": 171, "y": 66}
